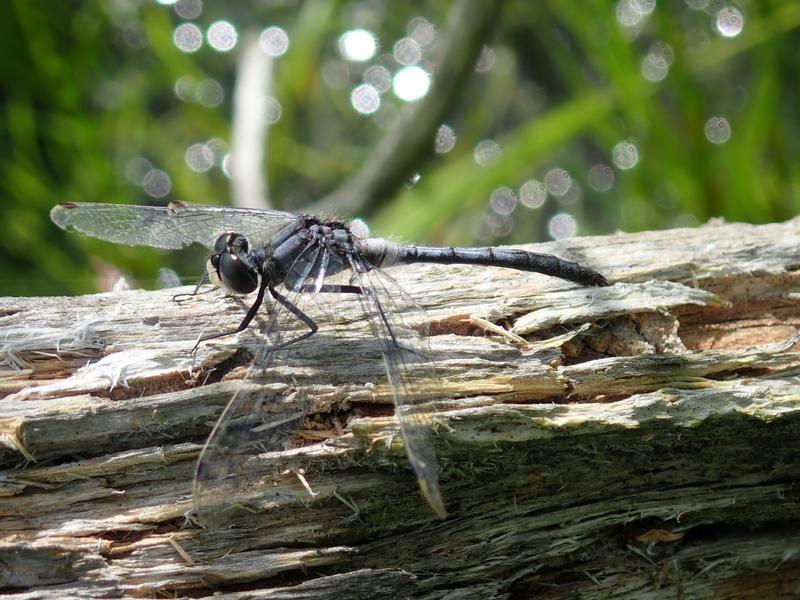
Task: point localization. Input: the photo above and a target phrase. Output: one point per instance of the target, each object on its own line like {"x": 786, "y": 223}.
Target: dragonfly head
{"x": 229, "y": 267}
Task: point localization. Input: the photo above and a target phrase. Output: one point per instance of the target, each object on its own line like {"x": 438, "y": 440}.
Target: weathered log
{"x": 641, "y": 438}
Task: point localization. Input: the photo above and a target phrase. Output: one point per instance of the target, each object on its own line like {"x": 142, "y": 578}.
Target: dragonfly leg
{"x": 334, "y": 289}
{"x": 329, "y": 289}
{"x": 309, "y": 322}
{"x": 251, "y": 313}
{"x": 196, "y": 292}
{"x": 382, "y": 313}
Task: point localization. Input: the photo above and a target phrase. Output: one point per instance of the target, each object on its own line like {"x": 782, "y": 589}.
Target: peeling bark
{"x": 596, "y": 443}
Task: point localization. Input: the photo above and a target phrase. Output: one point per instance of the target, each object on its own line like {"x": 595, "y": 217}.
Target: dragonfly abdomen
{"x": 383, "y": 253}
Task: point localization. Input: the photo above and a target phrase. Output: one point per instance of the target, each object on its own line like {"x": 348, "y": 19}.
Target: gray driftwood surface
{"x": 643, "y": 441}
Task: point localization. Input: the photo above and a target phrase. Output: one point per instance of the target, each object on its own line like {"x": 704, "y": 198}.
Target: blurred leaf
{"x": 93, "y": 89}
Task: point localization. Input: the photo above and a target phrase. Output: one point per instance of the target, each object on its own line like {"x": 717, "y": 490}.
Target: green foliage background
{"x": 88, "y": 86}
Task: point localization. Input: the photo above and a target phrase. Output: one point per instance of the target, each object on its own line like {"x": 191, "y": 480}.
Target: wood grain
{"x": 643, "y": 440}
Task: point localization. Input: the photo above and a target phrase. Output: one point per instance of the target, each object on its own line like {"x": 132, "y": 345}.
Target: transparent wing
{"x": 243, "y": 467}
{"x": 402, "y": 328}
{"x": 175, "y": 226}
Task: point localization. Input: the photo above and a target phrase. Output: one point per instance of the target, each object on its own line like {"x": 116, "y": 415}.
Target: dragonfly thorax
{"x": 311, "y": 251}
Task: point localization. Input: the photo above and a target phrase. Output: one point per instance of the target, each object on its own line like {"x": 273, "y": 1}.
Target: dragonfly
{"x": 301, "y": 261}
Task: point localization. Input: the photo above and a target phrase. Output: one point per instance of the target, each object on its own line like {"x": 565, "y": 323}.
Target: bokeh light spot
{"x": 532, "y": 194}
{"x": 199, "y": 158}
{"x": 485, "y": 60}
{"x": 486, "y": 152}
{"x": 222, "y": 36}
{"x": 627, "y": 13}
{"x": 273, "y": 41}
{"x": 219, "y": 148}
{"x": 136, "y": 169}
{"x": 358, "y": 45}
{"x": 189, "y": 9}
{"x": 272, "y": 110}
{"x": 227, "y": 165}
{"x": 421, "y": 30}
{"x": 492, "y": 226}
{"x": 601, "y": 178}
{"x": 655, "y": 65}
{"x": 445, "y": 139}
{"x": 411, "y": 83}
{"x": 365, "y": 99}
{"x": 209, "y": 93}
{"x": 562, "y": 226}
{"x": 625, "y": 155}
{"x": 156, "y": 183}
{"x": 167, "y": 278}
{"x": 729, "y": 22}
{"x": 654, "y": 68}
{"x": 185, "y": 88}
{"x": 503, "y": 201}
{"x": 188, "y": 37}
{"x": 407, "y": 51}
{"x": 664, "y": 50}
{"x": 557, "y": 182}
{"x": 378, "y": 77}
{"x": 717, "y": 130}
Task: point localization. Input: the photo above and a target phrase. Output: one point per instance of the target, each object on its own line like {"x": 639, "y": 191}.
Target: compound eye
{"x": 221, "y": 245}
{"x": 231, "y": 242}
{"x": 236, "y": 275}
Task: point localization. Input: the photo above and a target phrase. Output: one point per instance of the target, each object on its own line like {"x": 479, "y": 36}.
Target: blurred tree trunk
{"x": 643, "y": 439}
